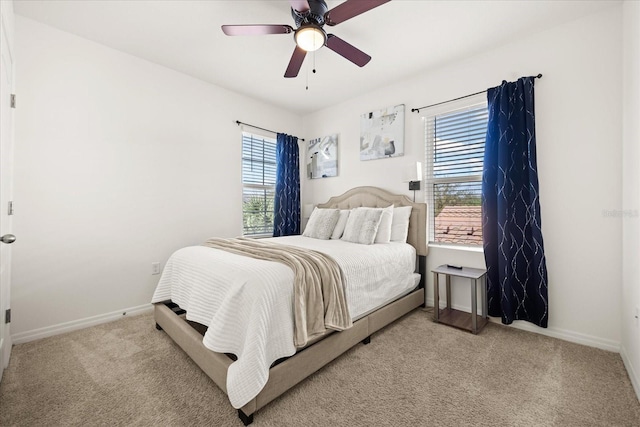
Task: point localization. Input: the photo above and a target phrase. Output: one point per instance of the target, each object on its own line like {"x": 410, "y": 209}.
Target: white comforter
{"x": 247, "y": 303}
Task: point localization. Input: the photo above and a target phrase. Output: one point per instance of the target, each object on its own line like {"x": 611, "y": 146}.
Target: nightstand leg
{"x": 448, "y": 281}
{"x": 436, "y": 297}
{"x": 485, "y": 303}
{"x": 474, "y": 306}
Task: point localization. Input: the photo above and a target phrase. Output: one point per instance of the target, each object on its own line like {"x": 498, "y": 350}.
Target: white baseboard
{"x": 563, "y": 334}
{"x": 633, "y": 374}
{"x": 74, "y": 325}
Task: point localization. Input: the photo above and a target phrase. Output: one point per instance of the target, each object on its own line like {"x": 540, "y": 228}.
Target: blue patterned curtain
{"x": 286, "y": 219}
{"x": 513, "y": 248}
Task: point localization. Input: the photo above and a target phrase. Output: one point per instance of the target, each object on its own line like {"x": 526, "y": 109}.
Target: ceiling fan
{"x": 310, "y": 17}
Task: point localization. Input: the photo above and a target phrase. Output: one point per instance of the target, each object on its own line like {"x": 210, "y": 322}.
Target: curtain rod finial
{"x": 539, "y": 75}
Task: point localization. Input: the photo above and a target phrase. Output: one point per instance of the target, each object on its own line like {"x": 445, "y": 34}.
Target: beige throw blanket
{"x": 320, "y": 302}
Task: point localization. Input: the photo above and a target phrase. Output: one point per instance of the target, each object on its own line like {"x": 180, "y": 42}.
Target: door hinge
{"x": 10, "y": 208}
{"x": 7, "y": 316}
{"x": 13, "y": 100}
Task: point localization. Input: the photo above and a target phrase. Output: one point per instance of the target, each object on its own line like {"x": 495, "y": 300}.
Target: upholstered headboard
{"x": 378, "y": 198}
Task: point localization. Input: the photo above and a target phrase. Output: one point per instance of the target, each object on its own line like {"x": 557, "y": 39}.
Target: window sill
{"x": 457, "y": 247}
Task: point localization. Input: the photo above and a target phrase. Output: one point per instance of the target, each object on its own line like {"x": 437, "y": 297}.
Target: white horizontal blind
{"x": 258, "y": 184}
{"x": 455, "y": 151}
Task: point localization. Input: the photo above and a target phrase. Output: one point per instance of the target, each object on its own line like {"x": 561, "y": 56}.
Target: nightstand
{"x": 461, "y": 319}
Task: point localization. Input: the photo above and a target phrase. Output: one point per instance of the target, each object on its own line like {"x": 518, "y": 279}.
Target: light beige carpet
{"x": 414, "y": 373}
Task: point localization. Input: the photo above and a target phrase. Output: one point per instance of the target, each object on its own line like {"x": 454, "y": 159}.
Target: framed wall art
{"x": 382, "y": 133}
{"x": 322, "y": 157}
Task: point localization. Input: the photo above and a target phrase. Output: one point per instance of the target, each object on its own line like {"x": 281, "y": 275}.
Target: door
{"x": 6, "y": 173}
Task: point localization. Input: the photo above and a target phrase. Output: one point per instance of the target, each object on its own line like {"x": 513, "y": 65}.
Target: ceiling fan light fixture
{"x": 310, "y": 37}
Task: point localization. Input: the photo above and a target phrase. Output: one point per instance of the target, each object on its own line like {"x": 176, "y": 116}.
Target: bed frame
{"x": 289, "y": 372}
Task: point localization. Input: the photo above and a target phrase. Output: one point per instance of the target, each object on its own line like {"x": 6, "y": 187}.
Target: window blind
{"x": 459, "y": 142}
{"x": 258, "y": 183}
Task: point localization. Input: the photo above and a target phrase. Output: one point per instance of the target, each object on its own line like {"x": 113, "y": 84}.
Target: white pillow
{"x": 384, "y": 230}
{"x": 321, "y": 223}
{"x": 362, "y": 225}
{"x": 400, "y": 224}
{"x": 342, "y": 222}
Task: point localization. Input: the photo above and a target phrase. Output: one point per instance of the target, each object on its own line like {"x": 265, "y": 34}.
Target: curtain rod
{"x": 417, "y": 110}
{"x": 238, "y": 122}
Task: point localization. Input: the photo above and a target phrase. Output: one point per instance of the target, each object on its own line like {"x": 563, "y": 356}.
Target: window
{"x": 455, "y": 151}
{"x": 258, "y": 184}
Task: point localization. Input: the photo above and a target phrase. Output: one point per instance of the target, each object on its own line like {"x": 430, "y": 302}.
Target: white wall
{"x": 630, "y": 348}
{"x": 118, "y": 163}
{"x": 578, "y": 112}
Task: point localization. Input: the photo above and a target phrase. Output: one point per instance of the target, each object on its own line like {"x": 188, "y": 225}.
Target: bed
{"x": 275, "y": 364}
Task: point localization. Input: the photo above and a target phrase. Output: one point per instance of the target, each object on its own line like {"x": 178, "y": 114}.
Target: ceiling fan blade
{"x": 299, "y": 5}
{"x": 296, "y": 62}
{"x": 348, "y": 51}
{"x": 349, "y": 9}
{"x": 256, "y": 30}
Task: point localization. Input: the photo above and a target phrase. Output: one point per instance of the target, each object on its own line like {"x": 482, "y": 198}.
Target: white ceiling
{"x": 404, "y": 37}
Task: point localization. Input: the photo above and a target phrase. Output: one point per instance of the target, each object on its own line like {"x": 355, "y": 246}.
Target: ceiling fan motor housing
{"x": 315, "y": 14}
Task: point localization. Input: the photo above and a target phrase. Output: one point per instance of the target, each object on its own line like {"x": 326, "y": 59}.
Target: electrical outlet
{"x": 155, "y": 268}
